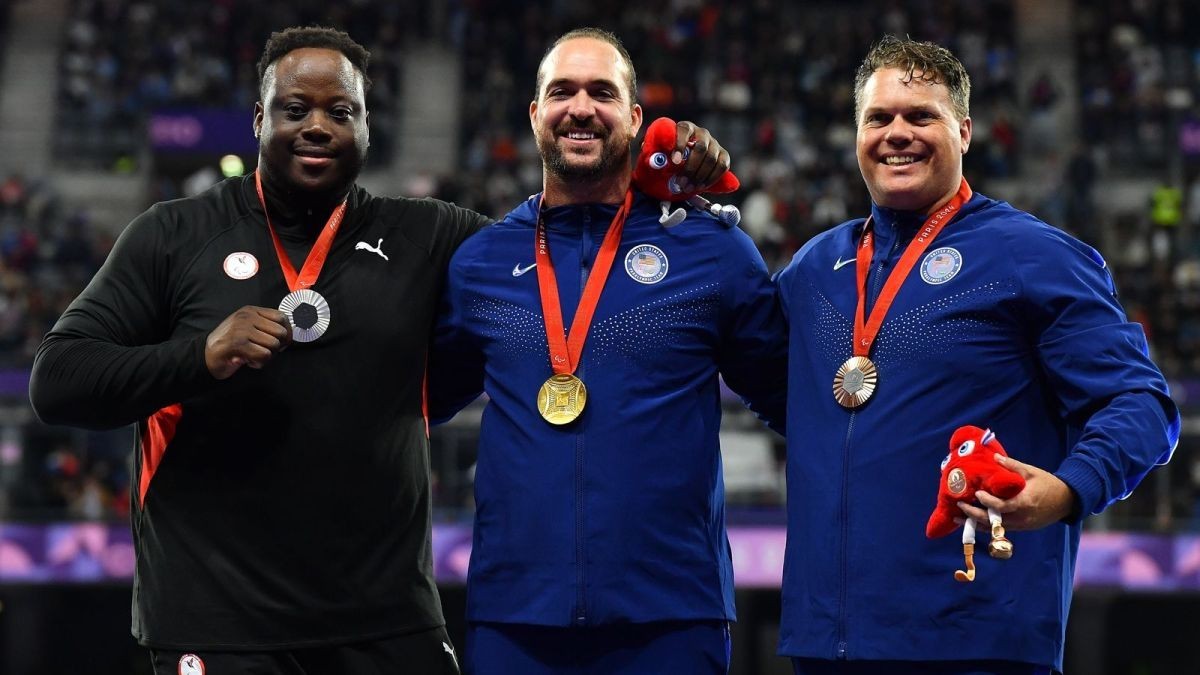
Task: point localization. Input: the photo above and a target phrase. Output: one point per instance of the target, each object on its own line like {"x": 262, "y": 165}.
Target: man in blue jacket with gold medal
{"x": 946, "y": 308}
{"x": 599, "y": 335}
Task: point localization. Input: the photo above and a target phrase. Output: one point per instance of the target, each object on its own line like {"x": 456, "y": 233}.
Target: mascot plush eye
{"x": 945, "y": 461}
{"x": 658, "y": 160}
{"x": 966, "y": 448}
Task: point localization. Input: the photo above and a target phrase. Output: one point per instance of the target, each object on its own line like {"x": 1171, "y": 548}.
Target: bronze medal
{"x": 956, "y": 482}
{"x": 856, "y": 379}
{"x": 855, "y": 382}
{"x": 561, "y": 398}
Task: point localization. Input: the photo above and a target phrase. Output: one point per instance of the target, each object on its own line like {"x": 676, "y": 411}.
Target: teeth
{"x": 895, "y": 160}
{"x": 581, "y": 135}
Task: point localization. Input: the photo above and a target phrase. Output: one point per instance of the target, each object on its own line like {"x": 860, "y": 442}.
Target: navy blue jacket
{"x": 618, "y": 516}
{"x": 1005, "y": 323}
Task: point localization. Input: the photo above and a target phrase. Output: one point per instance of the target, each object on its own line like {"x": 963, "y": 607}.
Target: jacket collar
{"x": 287, "y": 225}
{"x": 887, "y": 223}
{"x": 567, "y": 218}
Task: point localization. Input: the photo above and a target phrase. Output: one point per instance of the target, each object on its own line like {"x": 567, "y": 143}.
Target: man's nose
{"x": 581, "y": 106}
{"x": 317, "y": 125}
{"x": 898, "y": 132}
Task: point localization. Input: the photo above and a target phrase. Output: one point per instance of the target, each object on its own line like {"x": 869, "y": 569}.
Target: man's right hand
{"x": 248, "y": 337}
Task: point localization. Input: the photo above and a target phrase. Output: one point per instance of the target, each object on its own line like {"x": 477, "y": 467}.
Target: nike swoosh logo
{"x": 842, "y": 263}
{"x": 518, "y": 270}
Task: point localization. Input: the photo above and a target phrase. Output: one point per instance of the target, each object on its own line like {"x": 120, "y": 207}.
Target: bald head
{"x": 626, "y": 64}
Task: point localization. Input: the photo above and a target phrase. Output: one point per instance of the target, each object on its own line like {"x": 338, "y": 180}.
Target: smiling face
{"x": 584, "y": 118}
{"x": 910, "y": 142}
{"x": 312, "y": 124}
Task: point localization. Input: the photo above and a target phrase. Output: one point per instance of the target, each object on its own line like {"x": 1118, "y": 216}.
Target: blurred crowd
{"x": 124, "y": 59}
{"x": 48, "y": 252}
{"x": 1139, "y": 96}
{"x": 1138, "y": 79}
{"x": 772, "y": 80}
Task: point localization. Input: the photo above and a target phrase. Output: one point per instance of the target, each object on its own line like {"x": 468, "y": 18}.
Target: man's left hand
{"x": 1045, "y": 499}
{"x": 707, "y": 161}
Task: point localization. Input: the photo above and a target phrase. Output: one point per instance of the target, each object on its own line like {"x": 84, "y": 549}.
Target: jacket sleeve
{"x": 455, "y": 224}
{"x": 108, "y": 361}
{"x": 1112, "y": 396}
{"x": 754, "y": 347}
{"x": 456, "y": 361}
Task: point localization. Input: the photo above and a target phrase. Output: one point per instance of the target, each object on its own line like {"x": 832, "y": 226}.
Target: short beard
{"x": 555, "y": 162}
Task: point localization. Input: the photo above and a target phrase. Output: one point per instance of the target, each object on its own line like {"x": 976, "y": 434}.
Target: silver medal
{"x": 308, "y": 313}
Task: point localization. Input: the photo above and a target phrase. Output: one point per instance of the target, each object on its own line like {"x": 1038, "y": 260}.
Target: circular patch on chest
{"x": 646, "y": 264}
{"x": 940, "y": 265}
{"x": 240, "y": 265}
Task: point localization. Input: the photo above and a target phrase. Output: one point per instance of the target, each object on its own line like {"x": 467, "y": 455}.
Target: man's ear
{"x": 258, "y": 118}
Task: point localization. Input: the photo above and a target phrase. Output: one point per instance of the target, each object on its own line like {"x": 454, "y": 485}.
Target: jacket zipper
{"x": 585, "y": 252}
{"x": 842, "y": 647}
{"x": 845, "y": 518}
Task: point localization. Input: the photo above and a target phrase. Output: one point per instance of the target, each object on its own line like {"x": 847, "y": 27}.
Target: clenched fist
{"x": 248, "y": 337}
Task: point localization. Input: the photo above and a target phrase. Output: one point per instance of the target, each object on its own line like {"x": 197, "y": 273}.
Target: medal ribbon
{"x": 316, "y": 257}
{"x": 565, "y": 350}
{"x": 865, "y": 331}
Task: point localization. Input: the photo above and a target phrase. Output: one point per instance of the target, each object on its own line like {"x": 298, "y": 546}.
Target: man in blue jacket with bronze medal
{"x": 943, "y": 309}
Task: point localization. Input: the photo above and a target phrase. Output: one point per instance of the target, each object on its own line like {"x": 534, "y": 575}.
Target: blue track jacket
{"x": 618, "y": 516}
{"x": 1005, "y": 323}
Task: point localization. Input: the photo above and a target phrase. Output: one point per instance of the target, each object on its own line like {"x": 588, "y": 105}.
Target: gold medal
{"x": 854, "y": 382}
{"x": 561, "y": 398}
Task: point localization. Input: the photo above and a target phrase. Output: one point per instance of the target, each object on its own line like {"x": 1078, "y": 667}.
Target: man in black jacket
{"x": 281, "y": 513}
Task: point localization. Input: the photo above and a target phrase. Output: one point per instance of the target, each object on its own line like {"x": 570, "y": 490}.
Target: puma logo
{"x": 364, "y": 246}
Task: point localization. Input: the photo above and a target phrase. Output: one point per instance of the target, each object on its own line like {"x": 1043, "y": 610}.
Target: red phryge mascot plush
{"x": 970, "y": 466}
{"x": 655, "y": 175}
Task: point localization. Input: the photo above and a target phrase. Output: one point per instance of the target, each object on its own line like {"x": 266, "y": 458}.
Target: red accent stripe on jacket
{"x": 159, "y": 430}
{"x": 425, "y": 398}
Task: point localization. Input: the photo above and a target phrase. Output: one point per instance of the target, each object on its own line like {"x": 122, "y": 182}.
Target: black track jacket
{"x": 287, "y": 506}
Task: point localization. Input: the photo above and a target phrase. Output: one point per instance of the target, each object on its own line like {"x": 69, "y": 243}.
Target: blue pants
{"x": 820, "y": 667}
{"x": 693, "y": 647}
